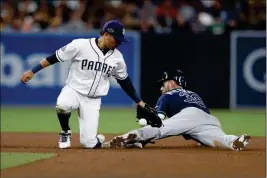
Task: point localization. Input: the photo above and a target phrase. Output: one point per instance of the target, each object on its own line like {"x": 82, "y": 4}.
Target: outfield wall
{"x": 227, "y": 70}
{"x": 19, "y": 52}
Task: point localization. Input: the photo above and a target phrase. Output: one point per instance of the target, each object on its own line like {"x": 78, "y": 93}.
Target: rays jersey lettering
{"x": 90, "y": 69}
{"x": 174, "y": 101}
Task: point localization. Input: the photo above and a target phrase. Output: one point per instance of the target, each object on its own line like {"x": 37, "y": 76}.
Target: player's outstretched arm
{"x": 128, "y": 88}
{"x": 143, "y": 109}
{"x": 63, "y": 54}
{"x": 28, "y": 75}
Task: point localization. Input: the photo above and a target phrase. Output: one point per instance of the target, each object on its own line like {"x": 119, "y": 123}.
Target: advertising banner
{"x": 19, "y": 52}
{"x": 248, "y": 70}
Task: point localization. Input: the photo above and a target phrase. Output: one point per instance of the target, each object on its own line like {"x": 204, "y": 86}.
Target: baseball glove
{"x": 150, "y": 114}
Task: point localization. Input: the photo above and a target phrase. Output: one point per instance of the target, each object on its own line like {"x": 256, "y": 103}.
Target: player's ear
{"x": 105, "y": 34}
{"x": 173, "y": 83}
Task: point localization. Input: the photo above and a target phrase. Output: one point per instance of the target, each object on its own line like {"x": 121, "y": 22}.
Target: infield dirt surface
{"x": 169, "y": 158}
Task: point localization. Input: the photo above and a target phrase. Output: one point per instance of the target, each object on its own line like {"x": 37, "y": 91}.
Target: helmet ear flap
{"x": 182, "y": 81}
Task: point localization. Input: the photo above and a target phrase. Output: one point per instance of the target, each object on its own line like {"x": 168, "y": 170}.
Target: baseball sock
{"x": 64, "y": 120}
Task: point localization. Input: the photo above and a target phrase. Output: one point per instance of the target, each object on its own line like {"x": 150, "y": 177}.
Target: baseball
{"x": 142, "y": 122}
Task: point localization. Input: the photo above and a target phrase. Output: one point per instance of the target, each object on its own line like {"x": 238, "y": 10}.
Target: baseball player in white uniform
{"x": 184, "y": 113}
{"x": 93, "y": 62}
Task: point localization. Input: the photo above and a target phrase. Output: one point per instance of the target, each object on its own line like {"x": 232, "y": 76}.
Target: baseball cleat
{"x": 64, "y": 139}
{"x": 126, "y": 139}
{"x": 117, "y": 142}
{"x": 134, "y": 145}
{"x": 241, "y": 143}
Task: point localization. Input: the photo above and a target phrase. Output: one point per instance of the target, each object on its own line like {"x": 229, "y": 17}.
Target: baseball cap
{"x": 116, "y": 29}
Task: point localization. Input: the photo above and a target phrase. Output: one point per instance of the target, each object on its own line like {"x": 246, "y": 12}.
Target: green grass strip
{"x": 15, "y": 159}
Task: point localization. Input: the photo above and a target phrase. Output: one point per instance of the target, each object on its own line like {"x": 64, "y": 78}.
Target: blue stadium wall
{"x": 228, "y": 70}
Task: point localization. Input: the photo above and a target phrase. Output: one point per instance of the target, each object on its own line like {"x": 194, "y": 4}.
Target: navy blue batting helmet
{"x": 116, "y": 29}
{"x": 176, "y": 75}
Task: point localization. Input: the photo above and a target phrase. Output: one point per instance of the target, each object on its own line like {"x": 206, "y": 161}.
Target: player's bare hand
{"x": 141, "y": 103}
{"x": 26, "y": 76}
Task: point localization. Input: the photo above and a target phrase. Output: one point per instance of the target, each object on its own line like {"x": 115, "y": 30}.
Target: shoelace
{"x": 64, "y": 137}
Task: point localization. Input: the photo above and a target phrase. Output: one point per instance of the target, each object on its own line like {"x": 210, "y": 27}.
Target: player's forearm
{"x": 41, "y": 65}
{"x": 45, "y": 63}
{"x": 128, "y": 88}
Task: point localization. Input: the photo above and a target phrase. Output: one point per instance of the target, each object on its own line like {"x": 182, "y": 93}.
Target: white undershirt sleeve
{"x": 162, "y": 116}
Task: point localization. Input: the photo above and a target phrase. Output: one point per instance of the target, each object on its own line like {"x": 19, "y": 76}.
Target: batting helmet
{"x": 116, "y": 29}
{"x": 176, "y": 75}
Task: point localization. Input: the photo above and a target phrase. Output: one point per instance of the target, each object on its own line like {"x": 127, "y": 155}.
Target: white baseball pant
{"x": 88, "y": 112}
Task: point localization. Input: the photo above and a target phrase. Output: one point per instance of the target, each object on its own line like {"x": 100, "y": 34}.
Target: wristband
{"x": 37, "y": 68}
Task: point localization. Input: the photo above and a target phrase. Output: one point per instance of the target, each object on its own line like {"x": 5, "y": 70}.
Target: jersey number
{"x": 192, "y": 97}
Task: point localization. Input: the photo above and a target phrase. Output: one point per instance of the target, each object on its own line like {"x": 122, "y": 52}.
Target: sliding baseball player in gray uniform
{"x": 183, "y": 113}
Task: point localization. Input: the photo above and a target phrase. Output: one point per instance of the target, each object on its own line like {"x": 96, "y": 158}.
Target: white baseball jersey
{"x": 90, "y": 69}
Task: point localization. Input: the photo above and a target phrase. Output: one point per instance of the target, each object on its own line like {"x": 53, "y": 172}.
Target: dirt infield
{"x": 180, "y": 159}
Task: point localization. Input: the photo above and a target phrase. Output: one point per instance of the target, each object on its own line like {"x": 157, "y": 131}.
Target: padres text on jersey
{"x": 90, "y": 69}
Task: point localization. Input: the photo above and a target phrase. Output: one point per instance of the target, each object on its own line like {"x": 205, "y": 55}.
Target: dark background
{"x": 204, "y": 59}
